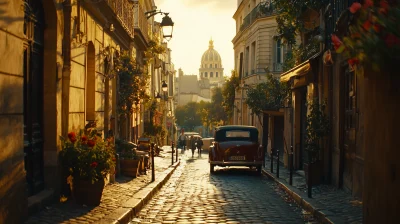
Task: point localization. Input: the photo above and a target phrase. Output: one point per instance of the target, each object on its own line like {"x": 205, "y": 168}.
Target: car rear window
{"x": 237, "y": 134}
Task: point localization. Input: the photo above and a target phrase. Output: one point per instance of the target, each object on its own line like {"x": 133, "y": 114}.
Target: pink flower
{"x": 355, "y": 7}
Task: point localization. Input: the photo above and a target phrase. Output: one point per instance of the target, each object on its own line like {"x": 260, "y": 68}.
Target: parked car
{"x": 236, "y": 145}
{"x": 207, "y": 142}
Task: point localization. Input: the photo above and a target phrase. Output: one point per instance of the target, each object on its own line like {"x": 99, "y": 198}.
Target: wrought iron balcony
{"x": 124, "y": 12}
{"x": 140, "y": 23}
{"x": 263, "y": 9}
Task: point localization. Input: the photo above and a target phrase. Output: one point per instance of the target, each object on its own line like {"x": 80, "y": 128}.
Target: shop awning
{"x": 301, "y": 69}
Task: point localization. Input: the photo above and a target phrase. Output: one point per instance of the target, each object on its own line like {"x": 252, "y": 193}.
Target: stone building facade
{"x": 56, "y": 76}
{"x": 257, "y": 54}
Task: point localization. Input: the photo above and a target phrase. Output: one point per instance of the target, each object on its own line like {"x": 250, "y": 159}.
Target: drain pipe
{"x": 66, "y": 72}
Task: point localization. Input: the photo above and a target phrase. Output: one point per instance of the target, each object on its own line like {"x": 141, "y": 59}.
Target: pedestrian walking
{"x": 182, "y": 142}
{"x": 199, "y": 145}
{"x": 193, "y": 143}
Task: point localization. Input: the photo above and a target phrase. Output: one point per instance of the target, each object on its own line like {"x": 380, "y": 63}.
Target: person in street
{"x": 182, "y": 142}
{"x": 193, "y": 143}
{"x": 199, "y": 145}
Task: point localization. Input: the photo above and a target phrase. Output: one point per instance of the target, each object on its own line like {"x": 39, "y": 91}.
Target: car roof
{"x": 232, "y": 127}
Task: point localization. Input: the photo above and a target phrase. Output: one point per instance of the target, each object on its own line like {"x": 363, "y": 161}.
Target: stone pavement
{"x": 230, "y": 195}
{"x": 120, "y": 200}
{"x": 328, "y": 204}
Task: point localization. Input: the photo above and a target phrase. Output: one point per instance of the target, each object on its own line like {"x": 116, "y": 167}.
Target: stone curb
{"x": 126, "y": 212}
{"x": 299, "y": 200}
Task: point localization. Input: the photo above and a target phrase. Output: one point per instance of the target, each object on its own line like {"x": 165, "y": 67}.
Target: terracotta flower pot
{"x": 130, "y": 167}
{"x": 87, "y": 193}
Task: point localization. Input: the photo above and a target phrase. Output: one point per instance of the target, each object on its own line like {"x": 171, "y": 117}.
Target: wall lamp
{"x": 166, "y": 23}
{"x": 164, "y": 86}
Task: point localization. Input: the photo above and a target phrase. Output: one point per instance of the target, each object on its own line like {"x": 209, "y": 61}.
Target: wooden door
{"x": 349, "y": 140}
{"x": 33, "y": 95}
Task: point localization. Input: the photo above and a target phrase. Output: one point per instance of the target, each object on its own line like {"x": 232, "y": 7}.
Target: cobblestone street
{"x": 236, "y": 195}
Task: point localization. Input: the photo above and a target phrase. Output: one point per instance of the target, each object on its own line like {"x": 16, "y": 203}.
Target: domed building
{"x": 211, "y": 65}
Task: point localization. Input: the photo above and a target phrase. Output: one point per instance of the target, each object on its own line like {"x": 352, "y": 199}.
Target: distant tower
{"x": 211, "y": 65}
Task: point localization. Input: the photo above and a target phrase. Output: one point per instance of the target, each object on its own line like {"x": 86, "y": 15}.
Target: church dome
{"x": 211, "y": 55}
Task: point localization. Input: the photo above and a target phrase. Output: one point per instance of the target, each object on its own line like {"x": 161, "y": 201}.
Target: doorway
{"x": 33, "y": 95}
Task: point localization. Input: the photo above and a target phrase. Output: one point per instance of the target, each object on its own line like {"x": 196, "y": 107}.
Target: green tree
{"x": 218, "y": 114}
{"x": 228, "y": 94}
{"x": 265, "y": 96}
{"x": 188, "y": 116}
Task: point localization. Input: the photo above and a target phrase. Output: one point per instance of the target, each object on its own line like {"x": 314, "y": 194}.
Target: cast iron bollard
{"x": 277, "y": 163}
{"x": 172, "y": 158}
{"x": 272, "y": 160}
{"x": 291, "y": 165}
{"x": 117, "y": 165}
{"x": 176, "y": 154}
{"x": 309, "y": 181}
{"x": 152, "y": 162}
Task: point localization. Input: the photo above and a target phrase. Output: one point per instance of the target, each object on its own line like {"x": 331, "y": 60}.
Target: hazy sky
{"x": 195, "y": 22}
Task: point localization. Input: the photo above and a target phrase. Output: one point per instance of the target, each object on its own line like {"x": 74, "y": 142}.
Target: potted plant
{"x": 130, "y": 162}
{"x": 317, "y": 128}
{"x": 86, "y": 160}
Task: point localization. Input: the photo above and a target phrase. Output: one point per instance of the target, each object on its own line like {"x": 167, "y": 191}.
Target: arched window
{"x": 216, "y": 65}
{"x": 90, "y": 83}
{"x": 205, "y": 74}
{"x": 216, "y": 74}
{"x": 210, "y": 65}
{"x": 211, "y": 74}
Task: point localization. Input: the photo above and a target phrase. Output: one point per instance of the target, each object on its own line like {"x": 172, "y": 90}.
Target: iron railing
{"x": 263, "y": 9}
{"x": 140, "y": 22}
{"x": 124, "y": 11}
{"x": 332, "y": 15}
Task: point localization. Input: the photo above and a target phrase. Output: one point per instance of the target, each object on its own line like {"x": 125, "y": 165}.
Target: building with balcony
{"x": 56, "y": 76}
{"x": 257, "y": 53}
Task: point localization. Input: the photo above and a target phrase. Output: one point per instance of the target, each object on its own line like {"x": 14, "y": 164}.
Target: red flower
{"x": 94, "y": 164}
{"x": 337, "y": 43}
{"x": 377, "y": 28}
{"x": 384, "y": 6}
{"x": 91, "y": 143}
{"x": 355, "y": 7}
{"x": 113, "y": 159}
{"x": 72, "y": 137}
{"x": 367, "y": 25}
{"x": 392, "y": 40}
{"x": 368, "y": 3}
{"x": 353, "y": 61}
{"x": 84, "y": 139}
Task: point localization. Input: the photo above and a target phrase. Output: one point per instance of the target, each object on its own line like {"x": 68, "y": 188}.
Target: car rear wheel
{"x": 212, "y": 168}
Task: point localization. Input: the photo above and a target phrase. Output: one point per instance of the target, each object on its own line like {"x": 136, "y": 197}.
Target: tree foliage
{"x": 290, "y": 17}
{"x": 188, "y": 116}
{"x": 318, "y": 126}
{"x": 218, "y": 114}
{"x": 132, "y": 84}
{"x": 267, "y": 95}
{"x": 228, "y": 94}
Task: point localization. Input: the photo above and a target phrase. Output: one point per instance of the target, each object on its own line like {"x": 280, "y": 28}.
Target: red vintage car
{"x": 236, "y": 145}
